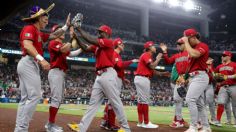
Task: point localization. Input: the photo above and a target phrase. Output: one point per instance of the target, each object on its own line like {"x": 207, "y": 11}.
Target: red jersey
{"x": 181, "y": 61}
{"x": 30, "y": 32}
{"x": 57, "y": 59}
{"x": 120, "y": 65}
{"x": 103, "y": 53}
{"x": 227, "y": 69}
{"x": 143, "y": 68}
{"x": 199, "y": 64}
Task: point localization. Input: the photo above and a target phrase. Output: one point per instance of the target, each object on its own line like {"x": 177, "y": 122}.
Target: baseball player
{"x": 210, "y": 96}
{"x": 144, "y": 72}
{"x": 109, "y": 114}
{"x": 198, "y": 80}
{"x": 106, "y": 81}
{"x": 227, "y": 88}
{"x": 181, "y": 61}
{"x": 31, "y": 40}
{"x": 56, "y": 76}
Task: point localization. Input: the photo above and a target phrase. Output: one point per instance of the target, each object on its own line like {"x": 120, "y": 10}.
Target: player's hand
{"x": 135, "y": 60}
{"x": 210, "y": 61}
{"x": 185, "y": 39}
{"x": 68, "y": 20}
{"x": 45, "y": 65}
{"x": 159, "y": 56}
{"x": 163, "y": 47}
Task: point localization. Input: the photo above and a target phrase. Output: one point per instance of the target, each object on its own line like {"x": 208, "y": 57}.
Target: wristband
{"x": 231, "y": 76}
{"x": 65, "y": 27}
{"x": 39, "y": 57}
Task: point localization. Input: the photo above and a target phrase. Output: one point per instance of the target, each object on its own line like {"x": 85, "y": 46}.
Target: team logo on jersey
{"x": 116, "y": 59}
{"x": 181, "y": 59}
{"x": 28, "y": 35}
{"x": 226, "y": 68}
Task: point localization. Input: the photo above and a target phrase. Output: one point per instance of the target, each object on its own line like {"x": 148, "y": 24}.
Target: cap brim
{"x": 40, "y": 14}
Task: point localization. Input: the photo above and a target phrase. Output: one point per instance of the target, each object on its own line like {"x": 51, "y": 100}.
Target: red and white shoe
{"x": 177, "y": 124}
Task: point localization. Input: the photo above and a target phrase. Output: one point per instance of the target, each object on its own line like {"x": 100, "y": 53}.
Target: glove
{"x": 181, "y": 90}
{"x": 181, "y": 80}
{"x": 77, "y": 20}
{"x": 220, "y": 77}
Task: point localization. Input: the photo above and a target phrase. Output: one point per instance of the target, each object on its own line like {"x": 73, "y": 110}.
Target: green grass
{"x": 159, "y": 115}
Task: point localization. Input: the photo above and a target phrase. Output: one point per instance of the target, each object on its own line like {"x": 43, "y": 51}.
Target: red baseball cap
{"x": 106, "y": 29}
{"x": 117, "y": 41}
{"x": 227, "y": 53}
{"x": 190, "y": 32}
{"x": 148, "y": 44}
{"x": 55, "y": 27}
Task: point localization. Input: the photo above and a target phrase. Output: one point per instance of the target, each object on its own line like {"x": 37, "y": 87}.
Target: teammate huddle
{"x": 192, "y": 71}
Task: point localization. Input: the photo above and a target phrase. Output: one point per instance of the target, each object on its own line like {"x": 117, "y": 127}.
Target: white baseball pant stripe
{"x": 210, "y": 101}
{"x": 178, "y": 104}
{"x": 30, "y": 86}
{"x": 225, "y": 94}
{"x": 56, "y": 78}
{"x": 105, "y": 85}
{"x": 142, "y": 85}
{"x": 195, "y": 99}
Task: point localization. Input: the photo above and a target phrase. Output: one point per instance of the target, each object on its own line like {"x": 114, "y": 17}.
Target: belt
{"x": 196, "y": 73}
{"x": 101, "y": 71}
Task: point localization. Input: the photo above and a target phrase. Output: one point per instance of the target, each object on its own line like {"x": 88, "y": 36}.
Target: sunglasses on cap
{"x": 179, "y": 43}
{"x": 223, "y": 55}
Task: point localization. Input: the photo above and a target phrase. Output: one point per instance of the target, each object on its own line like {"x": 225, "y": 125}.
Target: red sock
{"x": 146, "y": 113}
{"x": 140, "y": 112}
{"x": 220, "y": 110}
{"x": 52, "y": 114}
{"x": 105, "y": 116}
{"x": 111, "y": 118}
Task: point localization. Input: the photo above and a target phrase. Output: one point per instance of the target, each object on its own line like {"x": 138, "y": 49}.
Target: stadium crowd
{"x": 78, "y": 86}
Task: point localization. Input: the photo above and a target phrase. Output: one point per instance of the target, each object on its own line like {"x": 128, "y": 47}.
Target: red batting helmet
{"x": 106, "y": 29}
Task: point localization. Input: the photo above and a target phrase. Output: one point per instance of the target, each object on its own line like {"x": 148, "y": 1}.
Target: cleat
{"x": 74, "y": 127}
{"x": 191, "y": 129}
{"x": 149, "y": 125}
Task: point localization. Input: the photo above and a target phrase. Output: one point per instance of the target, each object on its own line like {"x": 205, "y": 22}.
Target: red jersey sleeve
{"x": 92, "y": 48}
{"x": 105, "y": 43}
{"x": 44, "y": 36}
{"x": 168, "y": 60}
{"x": 202, "y": 48}
{"x": 28, "y": 33}
{"x": 127, "y": 63}
{"x": 55, "y": 46}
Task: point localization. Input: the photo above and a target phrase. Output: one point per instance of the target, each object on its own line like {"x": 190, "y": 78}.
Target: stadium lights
{"x": 188, "y": 5}
{"x": 173, "y": 3}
